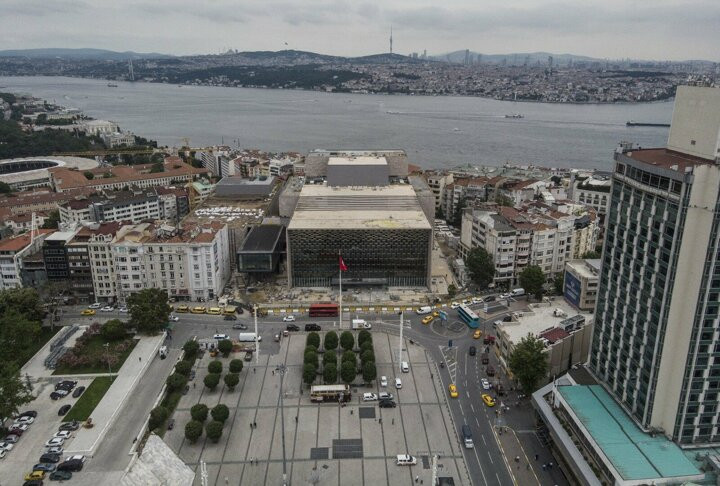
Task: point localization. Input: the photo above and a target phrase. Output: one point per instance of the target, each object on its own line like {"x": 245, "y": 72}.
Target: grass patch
{"x": 89, "y": 400}
{"x": 95, "y": 346}
{"x": 45, "y": 335}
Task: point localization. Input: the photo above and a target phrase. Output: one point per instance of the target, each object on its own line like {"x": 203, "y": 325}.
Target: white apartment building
{"x": 437, "y": 182}
{"x": 98, "y": 127}
{"x": 12, "y": 251}
{"x": 455, "y": 192}
{"x": 593, "y": 190}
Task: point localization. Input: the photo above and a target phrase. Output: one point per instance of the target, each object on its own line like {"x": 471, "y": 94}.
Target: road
{"x": 486, "y": 462}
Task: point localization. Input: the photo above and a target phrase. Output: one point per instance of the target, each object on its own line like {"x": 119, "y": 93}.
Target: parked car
{"x": 65, "y": 385}
{"x": 35, "y": 476}
{"x": 292, "y": 327}
{"x": 485, "y": 384}
{"x": 54, "y": 450}
{"x": 12, "y": 438}
{"x": 230, "y": 317}
{"x": 25, "y": 419}
{"x": 3, "y": 453}
{"x": 385, "y": 396}
{"x": 18, "y": 431}
{"x": 240, "y": 326}
{"x": 383, "y": 380}
{"x": 33, "y": 482}
{"x": 49, "y": 457}
{"x": 123, "y": 309}
{"x": 55, "y": 442}
{"x": 44, "y": 467}
{"x": 88, "y": 312}
{"x": 369, "y": 397}
{"x": 64, "y": 409}
{"x": 107, "y": 308}
{"x": 6, "y": 446}
{"x": 312, "y": 327}
{"x": 387, "y": 404}
{"x": 70, "y": 465}
{"x": 22, "y": 427}
{"x": 248, "y": 356}
{"x": 78, "y": 391}
{"x": 171, "y": 424}
{"x": 56, "y": 395}
{"x": 455, "y": 305}
{"x": 65, "y": 434}
{"x": 60, "y": 476}
{"x": 192, "y": 375}
{"x": 290, "y": 318}
{"x": 489, "y": 298}
{"x": 96, "y": 305}
{"x": 77, "y": 457}
{"x": 220, "y": 337}
{"x": 173, "y": 318}
{"x": 29, "y": 413}
{"x": 74, "y": 425}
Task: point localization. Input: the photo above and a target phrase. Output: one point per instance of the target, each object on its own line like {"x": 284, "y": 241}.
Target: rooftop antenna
{"x": 391, "y": 39}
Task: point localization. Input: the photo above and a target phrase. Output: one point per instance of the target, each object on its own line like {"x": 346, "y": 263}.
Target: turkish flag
{"x": 343, "y": 267}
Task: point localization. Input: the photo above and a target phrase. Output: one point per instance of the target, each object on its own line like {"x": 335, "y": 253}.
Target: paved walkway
{"x": 35, "y": 367}
{"x": 519, "y": 464}
{"x": 87, "y": 440}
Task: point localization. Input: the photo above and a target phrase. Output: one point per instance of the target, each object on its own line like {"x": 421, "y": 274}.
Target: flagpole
{"x": 340, "y": 299}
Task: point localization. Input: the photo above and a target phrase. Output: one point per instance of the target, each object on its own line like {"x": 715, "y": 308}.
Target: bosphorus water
{"x": 442, "y": 131}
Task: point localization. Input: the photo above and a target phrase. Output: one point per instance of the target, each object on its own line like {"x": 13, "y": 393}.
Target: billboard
{"x": 572, "y": 289}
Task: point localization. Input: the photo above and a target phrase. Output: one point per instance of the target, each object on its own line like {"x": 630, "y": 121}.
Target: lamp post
{"x": 281, "y": 369}
{"x": 107, "y": 358}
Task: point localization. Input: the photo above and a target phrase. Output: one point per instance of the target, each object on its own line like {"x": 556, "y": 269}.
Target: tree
{"x": 330, "y": 357}
{"x": 158, "y": 416}
{"x": 310, "y": 349}
{"x": 149, "y": 310}
{"x": 348, "y": 371}
{"x": 157, "y": 167}
{"x": 25, "y": 301}
{"x": 176, "y": 381}
{"x": 367, "y": 356}
{"x": 532, "y": 280}
{"x": 347, "y": 340}
{"x": 348, "y": 356}
{"x": 199, "y": 412}
{"x": 215, "y": 367}
{"x": 52, "y": 220}
{"x": 365, "y": 346}
{"x": 236, "y": 366}
{"x": 528, "y": 363}
{"x": 369, "y": 371}
{"x": 330, "y": 373}
{"x": 452, "y": 291}
{"x": 331, "y": 341}
{"x": 183, "y": 368}
{"x": 5, "y": 188}
{"x": 309, "y": 373}
{"x": 14, "y": 392}
{"x": 213, "y": 430}
{"x": 559, "y": 283}
{"x": 220, "y": 412}
{"x": 191, "y": 348}
{"x": 481, "y": 267}
{"x": 313, "y": 339}
{"x": 225, "y": 346}
{"x": 311, "y": 357}
{"x": 193, "y": 431}
{"x": 501, "y": 200}
{"x": 113, "y": 330}
{"x": 211, "y": 380}
{"x": 457, "y": 215}
{"x": 591, "y": 255}
{"x": 89, "y": 175}
{"x": 17, "y": 334}
{"x": 231, "y": 380}
{"x": 363, "y": 337}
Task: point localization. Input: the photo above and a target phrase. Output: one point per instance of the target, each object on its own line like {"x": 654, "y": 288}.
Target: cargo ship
{"x": 642, "y": 124}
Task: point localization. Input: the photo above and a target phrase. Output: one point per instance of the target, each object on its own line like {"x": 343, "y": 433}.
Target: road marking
{"x": 472, "y": 407}
{"x": 480, "y": 464}
{"x": 483, "y": 438}
{"x": 477, "y": 422}
{"x": 498, "y": 478}
{"x": 489, "y": 456}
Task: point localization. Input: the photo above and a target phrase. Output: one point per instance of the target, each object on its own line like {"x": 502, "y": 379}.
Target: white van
{"x": 406, "y": 460}
{"x": 517, "y": 292}
{"x": 467, "y": 437}
{"x": 404, "y": 367}
{"x": 248, "y": 337}
{"x": 424, "y": 310}
{"x": 163, "y": 352}
{"x": 398, "y": 383}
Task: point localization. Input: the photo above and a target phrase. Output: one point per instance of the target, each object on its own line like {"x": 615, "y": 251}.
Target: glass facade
{"x": 391, "y": 257}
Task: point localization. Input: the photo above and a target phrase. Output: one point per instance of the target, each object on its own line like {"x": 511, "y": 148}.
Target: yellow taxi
{"x": 88, "y": 312}
{"x": 427, "y": 319}
{"x": 453, "y": 391}
{"x": 488, "y": 400}
{"x": 182, "y": 308}
{"x": 436, "y": 314}
{"x": 198, "y": 310}
{"x": 477, "y": 334}
{"x": 215, "y": 311}
{"x": 35, "y": 475}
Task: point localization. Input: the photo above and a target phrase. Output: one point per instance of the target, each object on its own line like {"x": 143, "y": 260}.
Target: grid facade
{"x": 393, "y": 257}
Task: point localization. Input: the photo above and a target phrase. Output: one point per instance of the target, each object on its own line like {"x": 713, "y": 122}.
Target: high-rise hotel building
{"x": 656, "y": 342}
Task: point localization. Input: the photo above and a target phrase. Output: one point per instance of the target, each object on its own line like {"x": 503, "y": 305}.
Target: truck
{"x": 361, "y": 324}
{"x": 484, "y": 358}
{"x": 248, "y": 337}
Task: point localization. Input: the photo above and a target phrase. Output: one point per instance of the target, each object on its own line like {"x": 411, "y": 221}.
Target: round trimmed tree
{"x": 231, "y": 380}
{"x": 330, "y": 357}
{"x": 367, "y": 356}
{"x": 236, "y": 366}
{"x": 363, "y": 336}
{"x": 311, "y": 357}
{"x": 348, "y": 371}
{"x": 191, "y": 348}
{"x": 331, "y": 340}
{"x": 349, "y": 356}
{"x": 193, "y": 431}
{"x": 215, "y": 367}
{"x": 199, "y": 412}
{"x": 213, "y": 430}
{"x": 158, "y": 416}
{"x": 309, "y": 373}
{"x": 313, "y": 339}
{"x": 220, "y": 413}
{"x": 347, "y": 340}
{"x": 176, "y": 381}
{"x": 330, "y": 373}
{"x": 211, "y": 380}
{"x": 366, "y": 345}
{"x": 369, "y": 371}
{"x": 225, "y": 346}
{"x": 183, "y": 367}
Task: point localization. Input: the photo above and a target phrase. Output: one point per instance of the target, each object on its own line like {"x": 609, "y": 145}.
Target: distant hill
{"x": 81, "y": 54}
{"x": 514, "y": 58}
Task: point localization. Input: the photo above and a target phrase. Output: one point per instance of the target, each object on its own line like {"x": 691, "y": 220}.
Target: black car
{"x": 472, "y": 351}
{"x": 387, "y": 404}
{"x": 64, "y": 409}
{"x": 33, "y": 482}
{"x": 74, "y": 425}
{"x": 293, "y": 327}
{"x": 507, "y": 319}
{"x": 56, "y": 395}
{"x": 230, "y": 318}
{"x": 49, "y": 457}
{"x": 489, "y": 298}
{"x": 312, "y": 327}
{"x": 29, "y": 413}
{"x": 78, "y": 391}
{"x": 71, "y": 465}
{"x": 65, "y": 385}
{"x": 60, "y": 476}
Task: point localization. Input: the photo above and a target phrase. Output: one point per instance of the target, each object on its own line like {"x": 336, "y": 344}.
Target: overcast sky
{"x": 647, "y": 29}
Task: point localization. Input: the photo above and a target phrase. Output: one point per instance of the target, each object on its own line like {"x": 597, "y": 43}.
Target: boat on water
{"x": 643, "y": 124}
{"x": 515, "y": 115}
{"x": 112, "y": 85}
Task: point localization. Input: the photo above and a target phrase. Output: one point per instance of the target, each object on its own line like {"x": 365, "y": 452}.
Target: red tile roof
{"x": 17, "y": 243}
{"x": 668, "y": 159}
{"x": 555, "y": 335}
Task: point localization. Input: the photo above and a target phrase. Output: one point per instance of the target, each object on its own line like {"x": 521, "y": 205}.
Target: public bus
{"x": 229, "y": 310}
{"x": 330, "y": 393}
{"x": 468, "y": 316}
{"x": 326, "y": 309}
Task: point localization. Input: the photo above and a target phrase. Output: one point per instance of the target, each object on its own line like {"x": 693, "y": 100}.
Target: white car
{"x": 220, "y": 337}
{"x": 25, "y": 419}
{"x": 174, "y": 318}
{"x": 454, "y": 305}
{"x": 505, "y": 296}
{"x": 107, "y": 308}
{"x": 290, "y": 318}
{"x": 6, "y": 446}
{"x": 65, "y": 434}
{"x": 3, "y": 453}
{"x": 485, "y": 384}
{"x": 54, "y": 450}
{"x": 18, "y": 426}
{"x": 55, "y": 442}
{"x": 123, "y": 309}
{"x": 385, "y": 396}
{"x": 78, "y": 457}
{"x": 383, "y": 381}
{"x": 96, "y": 305}
{"x": 369, "y": 397}
{"x": 477, "y": 300}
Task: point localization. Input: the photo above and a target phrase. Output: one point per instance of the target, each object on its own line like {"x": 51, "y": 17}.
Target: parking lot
{"x": 324, "y": 443}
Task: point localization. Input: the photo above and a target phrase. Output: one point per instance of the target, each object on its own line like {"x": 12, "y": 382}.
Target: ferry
{"x": 112, "y": 85}
{"x": 515, "y": 115}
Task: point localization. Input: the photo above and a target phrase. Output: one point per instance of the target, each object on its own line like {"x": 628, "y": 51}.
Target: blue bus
{"x": 468, "y": 316}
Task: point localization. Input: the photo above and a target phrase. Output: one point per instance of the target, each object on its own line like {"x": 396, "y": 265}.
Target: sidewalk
{"x": 36, "y": 366}
{"x": 521, "y": 466}
{"x": 87, "y": 440}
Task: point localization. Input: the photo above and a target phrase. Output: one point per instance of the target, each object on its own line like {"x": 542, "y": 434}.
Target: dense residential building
{"x": 437, "y": 181}
{"x": 591, "y": 189}
{"x": 13, "y": 251}
{"x": 580, "y": 284}
{"x": 199, "y": 191}
{"x": 461, "y": 190}
{"x": 57, "y": 260}
{"x": 656, "y": 335}
{"x": 118, "y": 139}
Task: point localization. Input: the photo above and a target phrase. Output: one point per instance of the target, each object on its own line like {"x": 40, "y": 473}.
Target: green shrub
{"x": 220, "y": 412}
{"x": 158, "y": 416}
{"x": 213, "y": 430}
{"x": 183, "y": 367}
{"x": 176, "y": 381}
{"x": 215, "y": 367}
{"x": 313, "y": 339}
{"x": 193, "y": 431}
{"x": 236, "y": 366}
{"x": 347, "y": 340}
{"x": 231, "y": 380}
{"x": 211, "y": 380}
{"x": 199, "y": 412}
{"x": 331, "y": 340}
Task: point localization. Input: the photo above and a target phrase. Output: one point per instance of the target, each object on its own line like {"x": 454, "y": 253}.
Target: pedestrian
{"x": 537, "y": 456}
{"x": 255, "y": 425}
{"x": 273, "y": 372}
{"x": 544, "y": 466}
{"x": 550, "y": 465}
{"x": 193, "y": 385}
{"x": 251, "y": 425}
{"x": 139, "y": 358}
{"x": 527, "y": 466}
{"x": 393, "y": 421}
{"x": 253, "y": 370}
{"x": 381, "y": 420}
{"x": 296, "y": 418}
{"x": 517, "y": 458}
{"x": 417, "y": 478}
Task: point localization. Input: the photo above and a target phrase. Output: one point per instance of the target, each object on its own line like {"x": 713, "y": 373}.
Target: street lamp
{"x": 281, "y": 369}
{"x": 107, "y": 358}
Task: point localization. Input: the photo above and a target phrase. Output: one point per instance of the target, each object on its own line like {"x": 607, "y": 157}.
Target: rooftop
{"x": 60, "y": 236}
{"x": 667, "y": 159}
{"x": 262, "y": 238}
{"x": 541, "y": 319}
{"x": 19, "y": 242}
{"x": 634, "y": 454}
{"x": 386, "y": 207}
{"x": 359, "y": 160}
{"x": 586, "y": 268}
